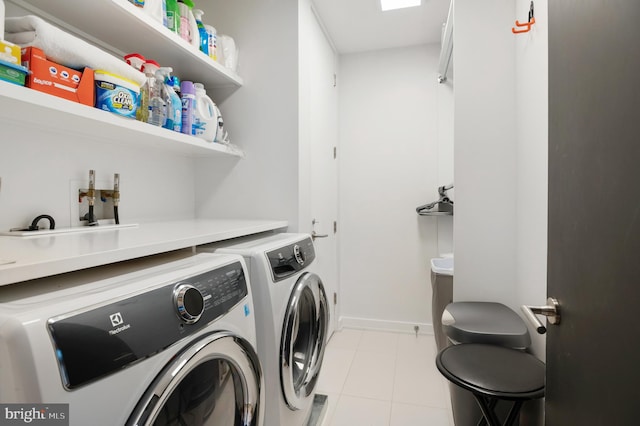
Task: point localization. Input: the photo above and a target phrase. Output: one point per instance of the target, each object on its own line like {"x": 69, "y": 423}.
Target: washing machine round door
{"x": 304, "y": 337}
{"x": 217, "y": 381}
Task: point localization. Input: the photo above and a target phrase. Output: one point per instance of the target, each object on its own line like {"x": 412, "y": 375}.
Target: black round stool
{"x": 492, "y": 373}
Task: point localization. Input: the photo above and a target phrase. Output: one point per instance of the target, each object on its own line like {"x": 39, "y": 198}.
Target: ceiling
{"x": 360, "y": 25}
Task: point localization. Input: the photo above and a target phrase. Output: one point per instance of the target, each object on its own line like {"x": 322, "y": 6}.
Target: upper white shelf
{"x": 23, "y": 105}
{"x": 119, "y": 26}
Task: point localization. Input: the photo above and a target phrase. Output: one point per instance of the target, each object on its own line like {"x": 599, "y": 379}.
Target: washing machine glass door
{"x": 215, "y": 381}
{"x": 304, "y": 336}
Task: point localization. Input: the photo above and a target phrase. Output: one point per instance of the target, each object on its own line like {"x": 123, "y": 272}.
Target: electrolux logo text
{"x": 37, "y": 414}
{"x": 118, "y": 322}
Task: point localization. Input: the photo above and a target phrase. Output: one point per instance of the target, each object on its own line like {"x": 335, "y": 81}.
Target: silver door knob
{"x": 551, "y": 310}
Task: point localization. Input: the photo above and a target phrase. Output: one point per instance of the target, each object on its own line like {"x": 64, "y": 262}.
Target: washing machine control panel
{"x": 100, "y": 341}
{"x": 290, "y": 259}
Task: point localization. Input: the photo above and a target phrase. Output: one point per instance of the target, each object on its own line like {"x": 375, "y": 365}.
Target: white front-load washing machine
{"x": 165, "y": 340}
{"x": 292, "y": 320}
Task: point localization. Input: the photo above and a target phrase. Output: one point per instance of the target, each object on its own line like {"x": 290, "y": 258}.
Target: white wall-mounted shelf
{"x": 119, "y": 26}
{"x": 23, "y": 259}
{"x": 31, "y": 107}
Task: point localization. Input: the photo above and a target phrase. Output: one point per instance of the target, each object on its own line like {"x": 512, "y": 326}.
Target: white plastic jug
{"x": 205, "y": 122}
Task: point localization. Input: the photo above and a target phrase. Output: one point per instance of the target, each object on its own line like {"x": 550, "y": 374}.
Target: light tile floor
{"x": 381, "y": 378}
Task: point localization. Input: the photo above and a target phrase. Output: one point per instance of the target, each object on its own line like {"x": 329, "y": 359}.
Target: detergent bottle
{"x": 173, "y": 104}
{"x": 156, "y": 9}
{"x": 188, "y": 25}
{"x": 188, "y": 106}
{"x": 157, "y": 104}
{"x": 172, "y": 101}
{"x": 205, "y": 116}
{"x": 212, "y": 36}
{"x": 173, "y": 16}
{"x": 202, "y": 31}
{"x": 149, "y": 69}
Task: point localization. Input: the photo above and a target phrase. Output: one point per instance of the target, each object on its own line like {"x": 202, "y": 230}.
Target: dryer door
{"x": 216, "y": 381}
{"x": 304, "y": 336}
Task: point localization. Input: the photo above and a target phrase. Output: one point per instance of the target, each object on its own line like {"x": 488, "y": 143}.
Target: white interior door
{"x": 323, "y": 128}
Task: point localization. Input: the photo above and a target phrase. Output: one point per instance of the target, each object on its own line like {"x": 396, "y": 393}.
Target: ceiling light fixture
{"x": 398, "y": 4}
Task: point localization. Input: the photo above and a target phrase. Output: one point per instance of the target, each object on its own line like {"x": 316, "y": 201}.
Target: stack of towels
{"x": 66, "y": 49}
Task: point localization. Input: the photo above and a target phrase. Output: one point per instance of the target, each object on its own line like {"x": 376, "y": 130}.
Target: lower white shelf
{"x": 57, "y": 231}
{"x": 23, "y": 105}
{"x": 23, "y": 259}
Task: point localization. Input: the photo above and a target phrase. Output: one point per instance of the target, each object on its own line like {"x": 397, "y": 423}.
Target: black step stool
{"x": 492, "y": 373}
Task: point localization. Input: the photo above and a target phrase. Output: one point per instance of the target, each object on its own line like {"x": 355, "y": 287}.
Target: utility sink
{"x": 442, "y": 265}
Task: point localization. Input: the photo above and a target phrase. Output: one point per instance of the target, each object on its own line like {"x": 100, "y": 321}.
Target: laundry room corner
{"x": 393, "y": 137}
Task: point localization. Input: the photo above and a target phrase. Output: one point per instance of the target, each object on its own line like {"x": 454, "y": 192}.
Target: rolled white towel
{"x": 65, "y": 49}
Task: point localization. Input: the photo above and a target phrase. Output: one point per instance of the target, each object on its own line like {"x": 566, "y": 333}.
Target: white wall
{"x": 445, "y": 96}
{"x": 501, "y": 148}
{"x": 37, "y": 168}
{"x": 532, "y": 156}
{"x": 261, "y": 116}
{"x": 485, "y": 151}
{"x": 388, "y": 165}
{"x": 501, "y": 131}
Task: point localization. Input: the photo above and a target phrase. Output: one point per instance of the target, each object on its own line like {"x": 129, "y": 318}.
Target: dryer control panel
{"x": 290, "y": 259}
{"x": 100, "y": 341}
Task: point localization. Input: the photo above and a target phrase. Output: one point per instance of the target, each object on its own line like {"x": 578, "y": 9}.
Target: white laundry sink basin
{"x": 442, "y": 265}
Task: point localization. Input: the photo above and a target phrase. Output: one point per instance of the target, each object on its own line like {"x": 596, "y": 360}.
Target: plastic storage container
{"x": 116, "y": 94}
{"x": 441, "y": 295}
{"x": 481, "y": 322}
{"x": 13, "y": 73}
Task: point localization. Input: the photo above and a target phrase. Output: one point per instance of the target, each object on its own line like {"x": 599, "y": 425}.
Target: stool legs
{"x": 492, "y": 404}
{"x": 513, "y": 413}
{"x": 487, "y": 405}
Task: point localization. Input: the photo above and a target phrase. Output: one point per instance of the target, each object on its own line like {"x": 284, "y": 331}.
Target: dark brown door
{"x": 593, "y": 356}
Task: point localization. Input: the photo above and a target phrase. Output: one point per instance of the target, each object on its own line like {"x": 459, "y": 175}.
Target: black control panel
{"x": 293, "y": 258}
{"x": 95, "y": 343}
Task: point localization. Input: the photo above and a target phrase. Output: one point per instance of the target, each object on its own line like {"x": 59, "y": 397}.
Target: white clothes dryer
{"x": 291, "y": 320}
{"x": 164, "y": 340}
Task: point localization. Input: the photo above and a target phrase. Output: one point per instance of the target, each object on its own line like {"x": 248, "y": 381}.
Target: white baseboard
{"x": 382, "y": 325}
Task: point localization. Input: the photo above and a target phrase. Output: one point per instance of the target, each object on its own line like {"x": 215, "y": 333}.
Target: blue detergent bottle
{"x": 204, "y": 36}
{"x": 163, "y": 75}
{"x": 174, "y": 107}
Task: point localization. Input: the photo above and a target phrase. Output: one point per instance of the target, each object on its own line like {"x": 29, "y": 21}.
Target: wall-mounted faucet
{"x": 91, "y": 198}
{"x": 116, "y": 197}
{"x": 100, "y": 210}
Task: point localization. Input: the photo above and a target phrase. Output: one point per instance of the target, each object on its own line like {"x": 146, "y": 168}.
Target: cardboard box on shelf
{"x": 12, "y": 73}
{"x": 55, "y": 79}
{"x": 9, "y": 52}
